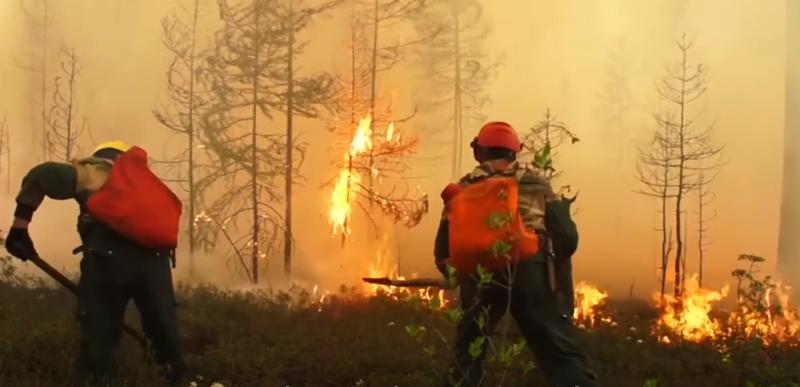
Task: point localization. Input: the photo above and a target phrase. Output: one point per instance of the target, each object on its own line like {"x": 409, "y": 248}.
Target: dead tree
{"x": 38, "y": 21}
{"x": 250, "y": 49}
{"x": 63, "y": 132}
{"x": 382, "y": 56}
{"x": 705, "y": 198}
{"x": 456, "y": 67}
{"x": 542, "y": 141}
{"x": 690, "y": 143}
{"x": 303, "y": 97}
{"x": 655, "y": 174}
{"x": 185, "y": 98}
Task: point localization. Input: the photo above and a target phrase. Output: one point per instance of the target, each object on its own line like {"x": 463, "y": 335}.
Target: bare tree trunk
{"x": 71, "y": 138}
{"x": 254, "y": 154}
{"x": 665, "y": 242}
{"x": 191, "y": 134}
{"x": 45, "y": 147}
{"x": 287, "y": 236}
{"x": 679, "y": 194}
{"x": 457, "y": 122}
{"x": 373, "y": 87}
{"x": 700, "y": 231}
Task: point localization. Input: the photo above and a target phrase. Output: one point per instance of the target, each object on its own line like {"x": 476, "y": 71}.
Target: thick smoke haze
{"x": 568, "y": 56}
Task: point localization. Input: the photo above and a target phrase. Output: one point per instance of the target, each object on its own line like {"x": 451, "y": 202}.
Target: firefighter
{"x": 538, "y": 309}
{"x": 114, "y": 269}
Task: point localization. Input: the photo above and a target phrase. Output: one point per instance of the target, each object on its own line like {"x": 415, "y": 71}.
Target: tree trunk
{"x": 664, "y": 241}
{"x": 457, "y": 122}
{"x": 788, "y": 243}
{"x": 45, "y": 148}
{"x": 287, "y": 236}
{"x": 373, "y": 87}
{"x": 701, "y": 230}
{"x": 254, "y": 150}
{"x": 679, "y": 194}
{"x": 70, "y": 137}
{"x": 190, "y": 133}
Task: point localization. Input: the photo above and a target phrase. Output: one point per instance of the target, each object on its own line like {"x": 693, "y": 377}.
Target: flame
{"x": 588, "y": 300}
{"x": 346, "y": 188}
{"x": 362, "y": 140}
{"x": 777, "y": 322}
{"x": 690, "y": 319}
{"x": 390, "y": 132}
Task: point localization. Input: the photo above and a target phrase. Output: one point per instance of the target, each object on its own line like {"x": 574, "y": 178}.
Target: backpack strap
{"x": 91, "y": 173}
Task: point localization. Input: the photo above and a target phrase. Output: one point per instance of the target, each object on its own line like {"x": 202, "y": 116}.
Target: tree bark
{"x": 254, "y": 151}
{"x": 287, "y": 236}
{"x": 457, "y": 128}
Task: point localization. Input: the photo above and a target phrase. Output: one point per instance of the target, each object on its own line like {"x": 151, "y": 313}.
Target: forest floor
{"x": 291, "y": 339}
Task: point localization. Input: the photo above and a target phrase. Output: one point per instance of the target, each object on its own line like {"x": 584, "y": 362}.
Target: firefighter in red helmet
{"x": 525, "y": 282}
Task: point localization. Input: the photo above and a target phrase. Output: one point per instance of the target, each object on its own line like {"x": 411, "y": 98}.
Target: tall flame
{"x": 346, "y": 188}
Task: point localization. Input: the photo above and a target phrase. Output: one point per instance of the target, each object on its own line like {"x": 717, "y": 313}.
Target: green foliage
{"x": 542, "y": 159}
{"x": 476, "y": 347}
{"x": 498, "y": 220}
{"x": 416, "y": 331}
{"x": 752, "y": 290}
{"x": 484, "y": 276}
{"x": 651, "y": 383}
{"x": 501, "y": 248}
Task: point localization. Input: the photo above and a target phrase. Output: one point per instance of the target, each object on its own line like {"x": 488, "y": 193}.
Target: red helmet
{"x": 498, "y": 134}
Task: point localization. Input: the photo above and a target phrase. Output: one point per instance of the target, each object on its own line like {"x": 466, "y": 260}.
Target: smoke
{"x": 571, "y": 56}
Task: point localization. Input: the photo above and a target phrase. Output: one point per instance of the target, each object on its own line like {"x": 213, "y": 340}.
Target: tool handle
{"x": 55, "y": 274}
{"x": 67, "y": 283}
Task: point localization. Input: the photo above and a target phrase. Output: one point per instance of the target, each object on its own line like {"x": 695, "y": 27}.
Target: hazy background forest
{"x": 592, "y": 63}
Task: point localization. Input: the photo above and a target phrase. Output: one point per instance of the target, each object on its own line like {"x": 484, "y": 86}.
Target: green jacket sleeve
{"x": 53, "y": 180}
{"x": 562, "y": 228}
{"x": 441, "y": 249}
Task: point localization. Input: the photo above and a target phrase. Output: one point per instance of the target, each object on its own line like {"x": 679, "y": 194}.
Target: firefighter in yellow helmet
{"x": 114, "y": 269}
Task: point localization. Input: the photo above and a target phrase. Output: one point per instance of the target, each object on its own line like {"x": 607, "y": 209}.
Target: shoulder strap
{"x": 91, "y": 173}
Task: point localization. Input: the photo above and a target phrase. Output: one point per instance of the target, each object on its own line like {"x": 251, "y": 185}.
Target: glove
{"x": 19, "y": 244}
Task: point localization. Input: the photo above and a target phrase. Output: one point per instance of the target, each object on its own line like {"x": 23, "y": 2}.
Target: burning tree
{"x": 63, "y": 133}
{"x": 456, "y": 65}
{"x": 303, "y": 97}
{"x": 374, "y": 148}
{"x": 38, "y": 22}
{"x": 185, "y": 100}
{"x": 379, "y": 14}
{"x": 244, "y": 72}
{"x": 683, "y": 156}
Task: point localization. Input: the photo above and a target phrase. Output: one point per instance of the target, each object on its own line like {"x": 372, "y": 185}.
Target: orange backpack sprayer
{"x": 485, "y": 227}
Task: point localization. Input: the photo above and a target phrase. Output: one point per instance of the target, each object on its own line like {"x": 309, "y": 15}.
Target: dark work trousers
{"x": 541, "y": 317}
{"x": 109, "y": 279}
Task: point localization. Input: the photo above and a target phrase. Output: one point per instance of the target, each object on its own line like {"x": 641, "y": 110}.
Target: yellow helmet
{"x": 116, "y": 145}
